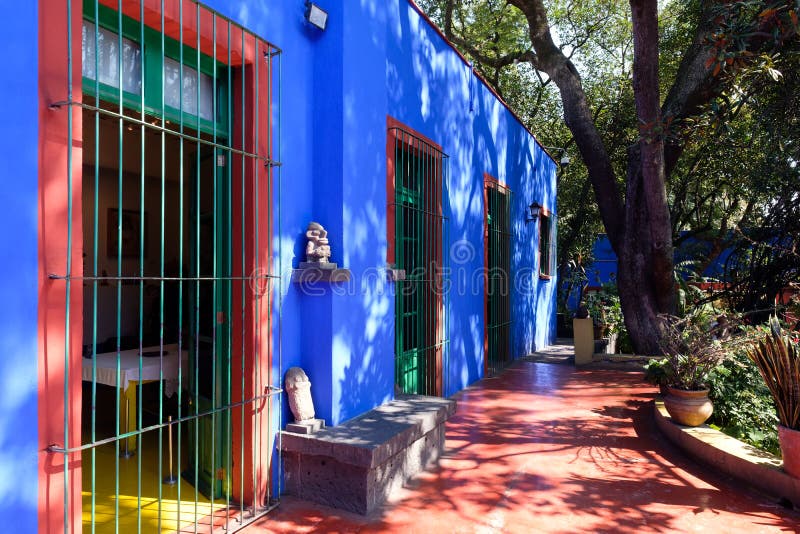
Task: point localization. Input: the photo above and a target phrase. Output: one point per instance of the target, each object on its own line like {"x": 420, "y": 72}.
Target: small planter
{"x": 688, "y": 408}
{"x": 790, "y": 450}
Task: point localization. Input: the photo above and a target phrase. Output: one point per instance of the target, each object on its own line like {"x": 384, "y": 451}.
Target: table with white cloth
{"x": 161, "y": 365}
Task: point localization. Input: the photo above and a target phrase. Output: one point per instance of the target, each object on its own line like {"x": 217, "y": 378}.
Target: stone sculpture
{"x": 317, "y": 249}
{"x": 298, "y": 389}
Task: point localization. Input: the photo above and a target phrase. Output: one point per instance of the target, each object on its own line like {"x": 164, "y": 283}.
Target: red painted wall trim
{"x": 477, "y": 74}
{"x": 543, "y": 212}
{"x": 251, "y": 345}
{"x": 172, "y": 26}
{"x": 54, "y": 149}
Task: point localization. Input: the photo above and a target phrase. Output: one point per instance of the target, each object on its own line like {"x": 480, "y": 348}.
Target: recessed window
{"x": 172, "y": 95}
{"x": 100, "y": 59}
{"x": 547, "y": 244}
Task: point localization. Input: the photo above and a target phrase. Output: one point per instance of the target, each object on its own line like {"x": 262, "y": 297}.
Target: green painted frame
{"x": 152, "y": 58}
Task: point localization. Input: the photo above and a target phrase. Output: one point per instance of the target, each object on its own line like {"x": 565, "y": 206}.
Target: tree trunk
{"x": 639, "y": 231}
{"x": 645, "y": 269}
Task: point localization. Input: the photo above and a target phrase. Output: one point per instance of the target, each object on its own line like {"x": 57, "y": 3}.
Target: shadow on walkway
{"x": 548, "y": 448}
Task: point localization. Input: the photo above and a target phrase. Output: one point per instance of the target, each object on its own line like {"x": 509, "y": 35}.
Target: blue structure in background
{"x": 604, "y": 267}
{"x": 376, "y": 58}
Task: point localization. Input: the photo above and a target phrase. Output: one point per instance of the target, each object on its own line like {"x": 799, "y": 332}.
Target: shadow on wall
{"x": 433, "y": 91}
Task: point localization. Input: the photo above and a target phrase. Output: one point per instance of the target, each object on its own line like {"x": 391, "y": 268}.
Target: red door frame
{"x": 436, "y": 328}
{"x": 489, "y": 182}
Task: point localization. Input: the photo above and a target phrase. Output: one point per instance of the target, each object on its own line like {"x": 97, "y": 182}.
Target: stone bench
{"x": 355, "y": 466}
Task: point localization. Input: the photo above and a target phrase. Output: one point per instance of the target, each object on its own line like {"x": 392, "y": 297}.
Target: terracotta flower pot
{"x": 790, "y": 450}
{"x": 688, "y": 408}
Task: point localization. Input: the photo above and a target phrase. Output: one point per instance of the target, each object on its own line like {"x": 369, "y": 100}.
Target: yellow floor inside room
{"x": 139, "y": 506}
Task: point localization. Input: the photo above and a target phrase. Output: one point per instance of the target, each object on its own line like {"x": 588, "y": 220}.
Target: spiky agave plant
{"x": 778, "y": 359}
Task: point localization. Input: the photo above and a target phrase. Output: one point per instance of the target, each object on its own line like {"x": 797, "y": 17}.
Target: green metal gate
{"x": 180, "y": 128}
{"x": 498, "y": 277}
{"x": 420, "y": 229}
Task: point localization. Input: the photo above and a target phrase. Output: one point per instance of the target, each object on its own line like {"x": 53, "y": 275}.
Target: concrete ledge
{"x": 731, "y": 456}
{"x": 356, "y": 465}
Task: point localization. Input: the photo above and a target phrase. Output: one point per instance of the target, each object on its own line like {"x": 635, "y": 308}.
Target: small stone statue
{"x": 317, "y": 250}
{"x": 298, "y": 388}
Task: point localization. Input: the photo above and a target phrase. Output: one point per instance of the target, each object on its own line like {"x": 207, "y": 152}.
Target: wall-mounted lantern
{"x": 533, "y": 212}
{"x": 316, "y": 15}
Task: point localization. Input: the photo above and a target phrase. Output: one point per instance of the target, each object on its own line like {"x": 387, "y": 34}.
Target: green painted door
{"x": 210, "y": 324}
{"x": 410, "y": 243}
{"x": 498, "y": 279}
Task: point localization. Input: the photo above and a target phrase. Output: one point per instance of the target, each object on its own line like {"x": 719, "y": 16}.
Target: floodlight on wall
{"x": 565, "y": 160}
{"x": 533, "y": 212}
{"x": 316, "y": 15}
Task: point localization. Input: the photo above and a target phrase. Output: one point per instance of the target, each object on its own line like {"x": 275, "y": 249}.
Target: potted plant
{"x": 692, "y": 350}
{"x": 777, "y": 356}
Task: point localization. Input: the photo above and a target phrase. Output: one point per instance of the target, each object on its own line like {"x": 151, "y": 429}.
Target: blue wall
{"x": 379, "y": 58}
{"x": 18, "y": 272}
{"x": 376, "y": 58}
{"x": 433, "y": 91}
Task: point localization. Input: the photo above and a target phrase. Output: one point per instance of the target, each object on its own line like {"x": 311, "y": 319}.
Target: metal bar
{"x": 272, "y": 392}
{"x": 162, "y": 129}
{"x": 68, "y": 287}
{"x": 243, "y": 217}
{"x": 196, "y": 369}
{"x": 256, "y": 261}
{"x": 95, "y": 245}
{"x": 280, "y": 268}
{"x": 251, "y": 277}
{"x": 119, "y": 273}
{"x": 142, "y": 241}
{"x": 182, "y": 186}
{"x": 229, "y": 180}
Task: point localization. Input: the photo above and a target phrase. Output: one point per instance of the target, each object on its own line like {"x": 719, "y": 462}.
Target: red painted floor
{"x": 548, "y": 448}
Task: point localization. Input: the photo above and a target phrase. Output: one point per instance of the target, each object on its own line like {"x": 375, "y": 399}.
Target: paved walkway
{"x": 548, "y": 448}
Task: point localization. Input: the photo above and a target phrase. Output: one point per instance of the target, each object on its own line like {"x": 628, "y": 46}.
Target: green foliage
{"x": 743, "y": 406}
{"x": 624, "y": 341}
{"x": 604, "y": 307}
{"x": 659, "y": 372}
{"x": 735, "y": 184}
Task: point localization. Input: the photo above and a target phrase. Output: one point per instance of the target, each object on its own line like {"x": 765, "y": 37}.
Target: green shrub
{"x": 743, "y": 406}
{"x": 624, "y": 342}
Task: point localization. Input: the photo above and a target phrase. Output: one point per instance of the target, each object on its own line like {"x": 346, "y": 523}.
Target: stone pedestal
{"x": 309, "y": 426}
{"x": 355, "y": 466}
{"x": 584, "y": 340}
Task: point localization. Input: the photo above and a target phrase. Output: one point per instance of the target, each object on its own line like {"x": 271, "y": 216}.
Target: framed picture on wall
{"x": 130, "y": 233}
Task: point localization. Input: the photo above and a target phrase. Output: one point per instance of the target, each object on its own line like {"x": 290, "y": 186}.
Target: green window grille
{"x": 420, "y": 229}
{"x": 180, "y": 122}
{"x": 498, "y": 277}
{"x": 547, "y": 244}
